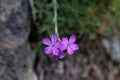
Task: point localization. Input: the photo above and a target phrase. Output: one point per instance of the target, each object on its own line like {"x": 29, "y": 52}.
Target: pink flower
{"x": 56, "y": 48}
{"x": 60, "y": 56}
{"x": 69, "y": 44}
{"x": 52, "y": 45}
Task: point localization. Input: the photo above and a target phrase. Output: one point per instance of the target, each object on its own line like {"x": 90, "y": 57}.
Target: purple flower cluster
{"x": 57, "y": 48}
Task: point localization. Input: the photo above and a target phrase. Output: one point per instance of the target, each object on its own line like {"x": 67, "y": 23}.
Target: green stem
{"x": 55, "y": 17}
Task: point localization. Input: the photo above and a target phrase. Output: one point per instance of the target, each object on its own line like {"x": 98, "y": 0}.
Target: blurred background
{"x": 96, "y": 23}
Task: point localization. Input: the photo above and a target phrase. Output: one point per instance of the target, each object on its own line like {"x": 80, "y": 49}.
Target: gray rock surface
{"x": 14, "y": 32}
{"x": 113, "y": 47}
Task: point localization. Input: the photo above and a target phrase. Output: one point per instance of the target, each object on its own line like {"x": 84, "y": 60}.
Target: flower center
{"x": 68, "y": 44}
{"x": 53, "y": 44}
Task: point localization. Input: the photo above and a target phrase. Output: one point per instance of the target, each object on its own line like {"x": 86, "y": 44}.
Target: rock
{"x": 60, "y": 68}
{"x": 14, "y": 31}
{"x": 112, "y": 47}
{"x": 30, "y": 75}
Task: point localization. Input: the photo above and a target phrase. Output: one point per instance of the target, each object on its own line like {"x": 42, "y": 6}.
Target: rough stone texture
{"x": 14, "y": 32}
{"x": 112, "y": 47}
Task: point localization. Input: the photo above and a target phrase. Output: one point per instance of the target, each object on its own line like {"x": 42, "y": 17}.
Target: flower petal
{"x": 46, "y": 41}
{"x": 70, "y": 51}
{"x": 61, "y": 55}
{"x": 48, "y": 50}
{"x": 54, "y": 38}
{"x": 74, "y": 46}
{"x": 64, "y": 40}
{"x": 72, "y": 39}
{"x": 57, "y": 44}
{"x": 55, "y": 51}
{"x": 61, "y": 46}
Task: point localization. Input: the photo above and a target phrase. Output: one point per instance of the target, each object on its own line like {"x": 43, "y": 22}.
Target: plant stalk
{"x": 55, "y": 18}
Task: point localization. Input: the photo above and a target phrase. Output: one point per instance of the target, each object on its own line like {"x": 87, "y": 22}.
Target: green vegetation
{"x": 80, "y": 17}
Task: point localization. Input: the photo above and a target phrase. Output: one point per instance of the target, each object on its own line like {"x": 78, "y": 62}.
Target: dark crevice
{"x": 33, "y": 38}
{"x": 36, "y": 62}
